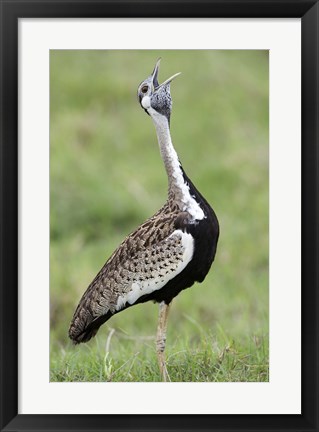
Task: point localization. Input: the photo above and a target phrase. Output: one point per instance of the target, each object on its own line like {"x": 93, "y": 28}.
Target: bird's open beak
{"x": 155, "y": 76}
{"x": 169, "y": 80}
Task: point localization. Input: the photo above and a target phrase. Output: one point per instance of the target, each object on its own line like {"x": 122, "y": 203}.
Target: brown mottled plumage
{"x": 142, "y": 253}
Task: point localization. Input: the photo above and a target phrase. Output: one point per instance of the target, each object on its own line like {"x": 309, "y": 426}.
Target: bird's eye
{"x": 144, "y": 89}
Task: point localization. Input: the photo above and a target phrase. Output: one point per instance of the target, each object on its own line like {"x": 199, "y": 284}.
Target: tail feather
{"x": 83, "y": 327}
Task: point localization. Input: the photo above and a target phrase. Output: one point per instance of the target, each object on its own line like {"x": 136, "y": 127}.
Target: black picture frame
{"x": 11, "y": 11}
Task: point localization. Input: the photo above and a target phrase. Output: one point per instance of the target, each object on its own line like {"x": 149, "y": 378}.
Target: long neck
{"x": 168, "y": 153}
{"x": 178, "y": 189}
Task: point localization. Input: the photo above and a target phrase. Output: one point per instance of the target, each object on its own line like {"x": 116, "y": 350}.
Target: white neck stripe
{"x": 172, "y": 164}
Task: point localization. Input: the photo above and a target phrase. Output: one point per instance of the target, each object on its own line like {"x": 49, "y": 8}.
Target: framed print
{"x": 81, "y": 171}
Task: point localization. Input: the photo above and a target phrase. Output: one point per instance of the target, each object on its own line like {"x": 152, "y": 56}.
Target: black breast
{"x": 205, "y": 233}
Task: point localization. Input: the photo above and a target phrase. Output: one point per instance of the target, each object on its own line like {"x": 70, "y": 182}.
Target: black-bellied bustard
{"x": 166, "y": 254}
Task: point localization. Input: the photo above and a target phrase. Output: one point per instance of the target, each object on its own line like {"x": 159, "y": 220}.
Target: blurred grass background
{"x": 107, "y": 177}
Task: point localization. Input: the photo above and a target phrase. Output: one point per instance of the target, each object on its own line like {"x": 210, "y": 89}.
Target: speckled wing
{"x": 146, "y": 260}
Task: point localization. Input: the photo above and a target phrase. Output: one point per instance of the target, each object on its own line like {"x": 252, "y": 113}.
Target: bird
{"x": 168, "y": 253}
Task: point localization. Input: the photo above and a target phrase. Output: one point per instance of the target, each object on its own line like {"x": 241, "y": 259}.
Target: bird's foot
{"x": 161, "y": 340}
{"x": 163, "y": 368}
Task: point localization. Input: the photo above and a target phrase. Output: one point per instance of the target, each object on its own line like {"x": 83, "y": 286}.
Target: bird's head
{"x": 156, "y": 98}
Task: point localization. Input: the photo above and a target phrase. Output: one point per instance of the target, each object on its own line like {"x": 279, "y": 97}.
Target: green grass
{"x": 133, "y": 359}
{"x": 107, "y": 177}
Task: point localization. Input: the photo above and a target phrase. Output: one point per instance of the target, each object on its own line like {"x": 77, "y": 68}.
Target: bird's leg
{"x": 161, "y": 339}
